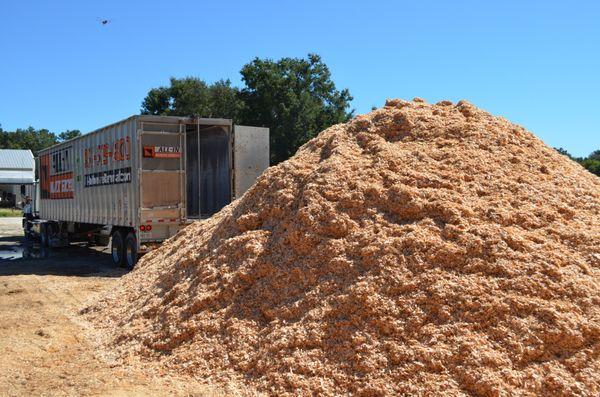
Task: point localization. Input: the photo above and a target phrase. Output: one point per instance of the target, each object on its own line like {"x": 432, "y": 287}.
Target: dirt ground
{"x": 42, "y": 344}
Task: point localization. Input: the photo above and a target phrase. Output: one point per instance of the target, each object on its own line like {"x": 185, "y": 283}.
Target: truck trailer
{"x": 135, "y": 183}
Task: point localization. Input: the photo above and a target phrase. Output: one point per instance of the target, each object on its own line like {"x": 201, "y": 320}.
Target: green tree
{"x": 33, "y": 139}
{"x": 191, "y": 96}
{"x": 28, "y": 138}
{"x": 295, "y": 98}
{"x": 68, "y": 134}
{"x": 591, "y": 162}
{"x": 225, "y": 100}
{"x": 591, "y": 165}
{"x": 564, "y": 152}
{"x": 157, "y": 102}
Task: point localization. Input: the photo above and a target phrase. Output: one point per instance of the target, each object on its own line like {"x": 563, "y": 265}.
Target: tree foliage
{"x": 592, "y": 165}
{"x": 28, "y": 138}
{"x": 33, "y": 139}
{"x": 68, "y": 134}
{"x": 294, "y": 97}
{"x": 595, "y": 155}
{"x": 191, "y": 96}
{"x": 591, "y": 162}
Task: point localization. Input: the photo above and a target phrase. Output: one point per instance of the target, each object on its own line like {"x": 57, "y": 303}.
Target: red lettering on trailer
{"x": 105, "y": 153}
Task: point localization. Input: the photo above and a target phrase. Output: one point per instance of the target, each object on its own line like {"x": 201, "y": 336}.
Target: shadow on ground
{"x": 20, "y": 256}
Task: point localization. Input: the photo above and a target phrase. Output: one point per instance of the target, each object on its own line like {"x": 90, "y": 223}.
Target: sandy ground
{"x": 43, "y": 350}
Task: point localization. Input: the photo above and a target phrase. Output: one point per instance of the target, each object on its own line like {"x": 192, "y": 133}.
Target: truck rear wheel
{"x": 117, "y": 248}
{"x": 130, "y": 251}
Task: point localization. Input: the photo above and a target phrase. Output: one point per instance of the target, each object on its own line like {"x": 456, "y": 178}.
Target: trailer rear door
{"x": 208, "y": 167}
{"x": 251, "y": 156}
{"x": 162, "y": 175}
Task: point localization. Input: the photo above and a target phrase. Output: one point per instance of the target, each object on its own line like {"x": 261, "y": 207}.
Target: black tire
{"x": 26, "y": 229}
{"x": 131, "y": 255}
{"x": 117, "y": 248}
{"x": 44, "y": 235}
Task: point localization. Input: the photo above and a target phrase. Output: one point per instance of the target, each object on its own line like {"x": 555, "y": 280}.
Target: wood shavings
{"x": 419, "y": 249}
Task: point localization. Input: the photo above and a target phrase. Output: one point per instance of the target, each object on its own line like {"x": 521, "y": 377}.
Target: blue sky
{"x": 536, "y": 63}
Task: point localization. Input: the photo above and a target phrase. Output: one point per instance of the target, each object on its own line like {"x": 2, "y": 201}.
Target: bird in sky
{"x": 104, "y": 21}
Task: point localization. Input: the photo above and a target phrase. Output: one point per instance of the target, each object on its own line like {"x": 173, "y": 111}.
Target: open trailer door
{"x": 208, "y": 169}
{"x": 162, "y": 179}
{"x": 250, "y": 156}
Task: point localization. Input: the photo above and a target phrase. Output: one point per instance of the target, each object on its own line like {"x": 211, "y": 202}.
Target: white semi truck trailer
{"x": 135, "y": 183}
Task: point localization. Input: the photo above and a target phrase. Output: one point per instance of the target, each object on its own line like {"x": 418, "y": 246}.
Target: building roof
{"x": 14, "y": 159}
{"x": 16, "y": 166}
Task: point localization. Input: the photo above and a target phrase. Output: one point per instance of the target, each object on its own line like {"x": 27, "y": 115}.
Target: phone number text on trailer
{"x": 110, "y": 177}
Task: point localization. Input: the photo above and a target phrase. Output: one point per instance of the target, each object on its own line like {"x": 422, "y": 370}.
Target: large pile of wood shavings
{"x": 419, "y": 249}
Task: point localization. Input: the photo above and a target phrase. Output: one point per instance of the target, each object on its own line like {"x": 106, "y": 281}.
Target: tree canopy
{"x": 191, "y": 96}
{"x": 591, "y": 162}
{"x": 68, "y": 134}
{"x": 33, "y": 139}
{"x": 296, "y": 98}
{"x": 595, "y": 155}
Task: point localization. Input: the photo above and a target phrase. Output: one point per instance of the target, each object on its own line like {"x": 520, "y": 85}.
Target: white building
{"x": 17, "y": 175}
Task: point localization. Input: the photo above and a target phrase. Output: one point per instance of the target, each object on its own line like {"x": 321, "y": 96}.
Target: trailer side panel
{"x": 92, "y": 179}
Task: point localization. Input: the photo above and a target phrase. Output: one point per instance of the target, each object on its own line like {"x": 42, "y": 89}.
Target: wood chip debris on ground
{"x": 419, "y": 249}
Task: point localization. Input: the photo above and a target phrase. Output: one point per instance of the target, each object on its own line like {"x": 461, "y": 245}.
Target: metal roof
{"x": 16, "y": 166}
{"x": 13, "y": 159}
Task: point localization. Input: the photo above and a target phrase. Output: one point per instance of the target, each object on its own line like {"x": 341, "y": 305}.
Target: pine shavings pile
{"x": 419, "y": 249}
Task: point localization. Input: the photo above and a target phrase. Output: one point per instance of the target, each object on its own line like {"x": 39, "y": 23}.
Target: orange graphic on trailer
{"x": 61, "y": 186}
{"x": 45, "y": 176}
{"x": 149, "y": 151}
{"x": 163, "y": 152}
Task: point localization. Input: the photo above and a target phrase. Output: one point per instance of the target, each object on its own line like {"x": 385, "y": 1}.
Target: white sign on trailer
{"x": 110, "y": 177}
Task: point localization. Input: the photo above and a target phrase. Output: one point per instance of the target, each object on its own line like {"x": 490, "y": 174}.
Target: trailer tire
{"x": 44, "y": 237}
{"x": 130, "y": 251}
{"x": 117, "y": 248}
